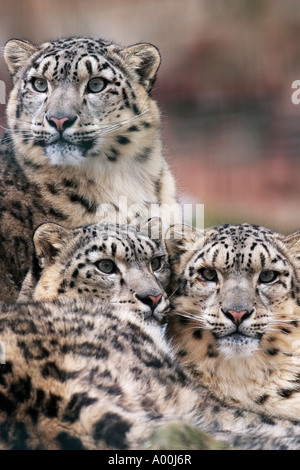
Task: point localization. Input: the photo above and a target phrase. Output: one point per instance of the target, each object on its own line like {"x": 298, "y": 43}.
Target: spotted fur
{"x": 82, "y": 372}
{"x": 83, "y": 143}
{"x": 80, "y": 375}
{"x": 235, "y": 315}
{"x": 109, "y": 263}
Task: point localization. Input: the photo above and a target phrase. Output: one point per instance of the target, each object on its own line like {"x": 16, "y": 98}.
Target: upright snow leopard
{"x": 82, "y": 373}
{"x": 83, "y": 142}
{"x": 235, "y": 315}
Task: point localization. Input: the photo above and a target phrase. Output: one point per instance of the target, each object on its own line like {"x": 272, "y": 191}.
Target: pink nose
{"x": 59, "y": 123}
{"x": 150, "y": 300}
{"x": 237, "y": 317}
{"x": 155, "y": 300}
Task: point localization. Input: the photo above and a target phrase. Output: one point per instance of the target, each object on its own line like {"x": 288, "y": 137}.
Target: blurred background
{"x": 230, "y": 130}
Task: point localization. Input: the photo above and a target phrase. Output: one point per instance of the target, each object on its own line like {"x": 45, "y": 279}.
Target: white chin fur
{"x": 237, "y": 345}
{"x": 70, "y": 156}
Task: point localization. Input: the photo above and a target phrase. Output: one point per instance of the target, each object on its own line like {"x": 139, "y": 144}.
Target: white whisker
{"x": 291, "y": 320}
{"x": 190, "y": 316}
{"x": 109, "y": 129}
{"x": 275, "y": 330}
{"x": 179, "y": 285}
{"x": 103, "y": 128}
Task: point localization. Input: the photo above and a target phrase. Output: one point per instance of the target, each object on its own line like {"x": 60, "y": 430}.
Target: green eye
{"x": 156, "y": 263}
{"x": 209, "y": 274}
{"x": 106, "y": 266}
{"x": 266, "y": 277}
{"x": 40, "y": 85}
{"x": 96, "y": 85}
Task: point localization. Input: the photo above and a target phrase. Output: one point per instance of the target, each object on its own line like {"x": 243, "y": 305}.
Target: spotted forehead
{"x": 240, "y": 235}
{"x": 242, "y": 246}
{"x": 71, "y": 54}
{"x": 121, "y": 240}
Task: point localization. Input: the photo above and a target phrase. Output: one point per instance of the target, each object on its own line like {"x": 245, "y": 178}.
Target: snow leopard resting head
{"x": 106, "y": 262}
{"x": 235, "y": 314}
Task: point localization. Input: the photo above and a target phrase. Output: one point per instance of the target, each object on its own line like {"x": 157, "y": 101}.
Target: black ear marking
{"x": 145, "y": 60}
{"x": 36, "y": 269}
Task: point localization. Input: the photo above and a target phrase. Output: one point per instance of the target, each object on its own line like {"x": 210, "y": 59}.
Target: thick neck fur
{"x": 104, "y": 180}
{"x": 100, "y": 181}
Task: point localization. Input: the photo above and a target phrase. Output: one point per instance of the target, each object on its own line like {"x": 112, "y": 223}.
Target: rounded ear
{"x": 48, "y": 240}
{"x": 292, "y": 242}
{"x": 181, "y": 238}
{"x": 16, "y": 53}
{"x": 293, "y": 239}
{"x": 145, "y": 60}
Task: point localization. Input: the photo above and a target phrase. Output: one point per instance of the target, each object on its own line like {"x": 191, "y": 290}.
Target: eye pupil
{"x": 208, "y": 274}
{"x": 266, "y": 277}
{"x": 106, "y": 266}
{"x": 156, "y": 264}
{"x": 40, "y": 85}
{"x": 96, "y": 85}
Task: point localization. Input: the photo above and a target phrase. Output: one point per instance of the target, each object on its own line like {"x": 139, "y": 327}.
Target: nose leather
{"x": 237, "y": 317}
{"x": 59, "y": 123}
{"x": 150, "y": 300}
